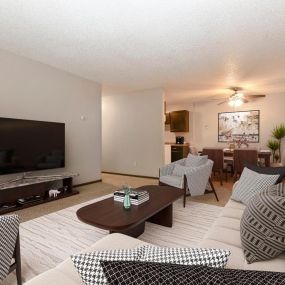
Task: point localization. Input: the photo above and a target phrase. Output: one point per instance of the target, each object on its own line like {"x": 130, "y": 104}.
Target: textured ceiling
{"x": 193, "y": 49}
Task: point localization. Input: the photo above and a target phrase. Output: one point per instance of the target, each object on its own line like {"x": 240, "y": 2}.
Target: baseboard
{"x": 132, "y": 175}
{"x": 87, "y": 183}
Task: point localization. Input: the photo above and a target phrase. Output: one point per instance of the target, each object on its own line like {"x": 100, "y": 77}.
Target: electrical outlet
{"x": 135, "y": 163}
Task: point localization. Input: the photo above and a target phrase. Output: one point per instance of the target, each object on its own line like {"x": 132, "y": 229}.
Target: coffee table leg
{"x": 164, "y": 217}
{"x": 132, "y": 232}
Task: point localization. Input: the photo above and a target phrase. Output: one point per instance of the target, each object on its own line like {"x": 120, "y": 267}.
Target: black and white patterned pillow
{"x": 250, "y": 184}
{"x": 146, "y": 273}
{"x": 149, "y": 273}
{"x": 262, "y": 226}
{"x": 89, "y": 267}
{"x": 186, "y": 256}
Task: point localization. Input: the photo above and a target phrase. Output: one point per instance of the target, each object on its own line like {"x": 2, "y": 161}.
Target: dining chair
{"x": 240, "y": 157}
{"x": 217, "y": 156}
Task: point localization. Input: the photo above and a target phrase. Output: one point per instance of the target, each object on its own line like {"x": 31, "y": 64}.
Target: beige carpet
{"x": 50, "y": 239}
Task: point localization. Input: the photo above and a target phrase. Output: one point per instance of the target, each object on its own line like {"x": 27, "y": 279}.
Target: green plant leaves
{"x": 279, "y": 132}
{"x": 273, "y": 145}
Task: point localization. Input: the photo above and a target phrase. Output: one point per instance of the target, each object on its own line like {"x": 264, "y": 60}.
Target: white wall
{"x": 133, "y": 132}
{"x": 206, "y": 119}
{"x": 31, "y": 90}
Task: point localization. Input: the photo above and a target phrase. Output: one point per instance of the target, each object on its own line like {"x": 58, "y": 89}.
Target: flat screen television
{"x": 27, "y": 145}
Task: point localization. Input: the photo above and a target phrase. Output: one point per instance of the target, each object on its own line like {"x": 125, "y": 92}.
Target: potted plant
{"x": 279, "y": 133}
{"x": 273, "y": 145}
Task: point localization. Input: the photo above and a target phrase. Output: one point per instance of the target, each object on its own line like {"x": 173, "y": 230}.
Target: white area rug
{"x": 50, "y": 239}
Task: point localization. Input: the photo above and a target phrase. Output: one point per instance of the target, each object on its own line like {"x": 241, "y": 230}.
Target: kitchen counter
{"x": 175, "y": 144}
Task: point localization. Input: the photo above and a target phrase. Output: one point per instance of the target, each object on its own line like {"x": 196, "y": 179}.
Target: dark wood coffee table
{"x": 110, "y": 215}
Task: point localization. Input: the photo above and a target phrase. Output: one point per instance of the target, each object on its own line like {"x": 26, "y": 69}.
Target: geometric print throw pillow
{"x": 147, "y": 273}
{"x": 89, "y": 267}
{"x": 186, "y": 256}
{"x": 150, "y": 273}
{"x": 250, "y": 184}
{"x": 262, "y": 226}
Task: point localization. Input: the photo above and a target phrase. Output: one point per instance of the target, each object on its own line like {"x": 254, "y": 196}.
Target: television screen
{"x": 27, "y": 145}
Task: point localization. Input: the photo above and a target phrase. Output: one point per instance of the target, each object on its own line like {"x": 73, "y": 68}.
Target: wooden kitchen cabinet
{"x": 179, "y": 121}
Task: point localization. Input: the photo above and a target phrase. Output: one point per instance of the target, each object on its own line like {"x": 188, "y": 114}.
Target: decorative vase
{"x": 127, "y": 199}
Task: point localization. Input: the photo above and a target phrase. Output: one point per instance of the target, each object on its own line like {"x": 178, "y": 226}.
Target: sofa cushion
{"x": 237, "y": 260}
{"x": 186, "y": 256}
{"x": 195, "y": 160}
{"x": 226, "y": 235}
{"x": 89, "y": 267}
{"x": 251, "y": 183}
{"x": 267, "y": 170}
{"x": 263, "y": 225}
{"x": 65, "y": 272}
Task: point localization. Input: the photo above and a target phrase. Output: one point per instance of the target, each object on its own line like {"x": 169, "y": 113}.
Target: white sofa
{"x": 225, "y": 233}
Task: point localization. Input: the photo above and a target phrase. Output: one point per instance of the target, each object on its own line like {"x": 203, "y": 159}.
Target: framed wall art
{"x": 236, "y": 125}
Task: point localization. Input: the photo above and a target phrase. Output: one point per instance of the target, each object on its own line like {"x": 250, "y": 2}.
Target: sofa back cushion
{"x": 195, "y": 160}
{"x": 252, "y": 183}
{"x": 263, "y": 225}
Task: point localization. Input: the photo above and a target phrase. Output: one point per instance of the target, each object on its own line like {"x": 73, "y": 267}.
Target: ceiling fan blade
{"x": 216, "y": 98}
{"x": 254, "y": 96}
{"x": 235, "y": 88}
{"x": 223, "y": 102}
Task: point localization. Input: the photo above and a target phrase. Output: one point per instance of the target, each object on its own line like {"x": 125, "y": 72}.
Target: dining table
{"x": 262, "y": 154}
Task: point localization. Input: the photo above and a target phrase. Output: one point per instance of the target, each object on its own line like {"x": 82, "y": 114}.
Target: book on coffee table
{"x": 136, "y": 197}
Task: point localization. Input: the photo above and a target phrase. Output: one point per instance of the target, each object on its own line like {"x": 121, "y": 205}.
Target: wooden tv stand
{"x": 29, "y": 186}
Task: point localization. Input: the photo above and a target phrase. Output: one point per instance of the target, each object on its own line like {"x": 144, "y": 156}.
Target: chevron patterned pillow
{"x": 263, "y": 225}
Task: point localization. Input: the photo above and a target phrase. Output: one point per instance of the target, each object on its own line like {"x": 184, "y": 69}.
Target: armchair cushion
{"x": 195, "y": 161}
{"x": 173, "y": 180}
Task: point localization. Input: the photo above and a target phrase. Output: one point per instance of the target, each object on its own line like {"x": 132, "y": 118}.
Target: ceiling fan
{"x": 238, "y": 98}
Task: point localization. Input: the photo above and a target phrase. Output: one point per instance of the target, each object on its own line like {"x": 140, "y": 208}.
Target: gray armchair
{"x": 10, "y": 247}
{"x": 193, "y": 180}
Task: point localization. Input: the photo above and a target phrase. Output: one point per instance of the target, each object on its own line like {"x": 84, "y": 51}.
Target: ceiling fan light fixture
{"x": 235, "y": 102}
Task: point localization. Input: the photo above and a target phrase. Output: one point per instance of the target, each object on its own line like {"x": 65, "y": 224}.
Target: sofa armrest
{"x": 235, "y": 185}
